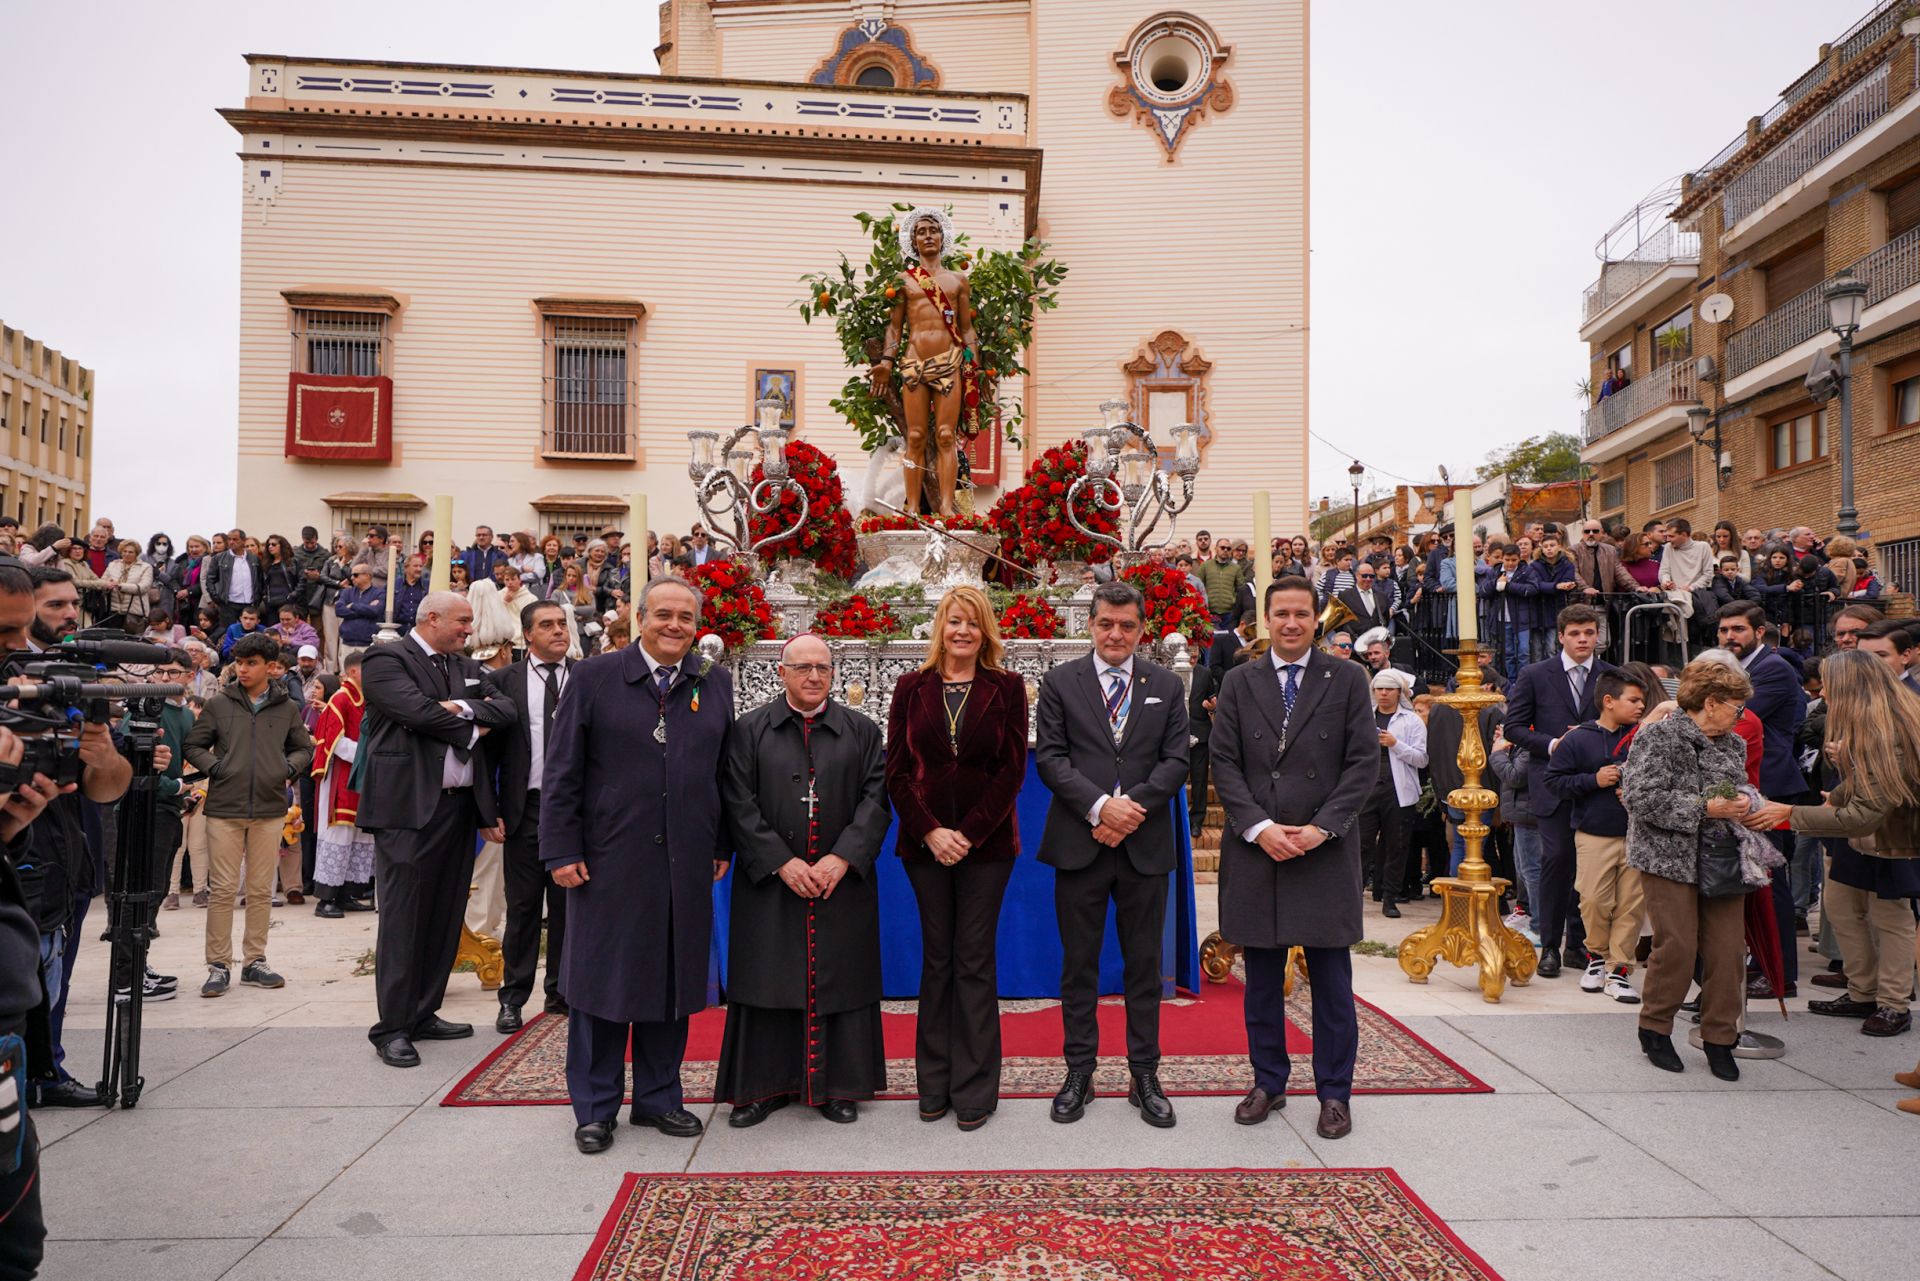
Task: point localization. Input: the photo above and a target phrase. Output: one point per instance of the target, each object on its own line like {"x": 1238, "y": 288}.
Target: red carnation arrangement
{"x": 1031, "y": 618}
{"x": 826, "y": 536}
{"x": 889, "y": 524}
{"x": 1031, "y": 519}
{"x": 857, "y": 618}
{"x": 732, "y": 605}
{"x": 1173, "y": 604}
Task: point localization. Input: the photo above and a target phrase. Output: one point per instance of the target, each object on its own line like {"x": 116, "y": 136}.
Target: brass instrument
{"x": 1332, "y": 618}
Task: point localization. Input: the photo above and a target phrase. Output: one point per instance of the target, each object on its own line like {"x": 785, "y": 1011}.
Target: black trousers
{"x": 597, "y": 1053}
{"x": 957, "y": 1045}
{"x": 166, "y": 840}
{"x": 530, "y": 891}
{"x": 1197, "y": 788}
{"x": 310, "y": 838}
{"x": 1557, "y": 912}
{"x": 1383, "y": 842}
{"x": 424, "y": 876}
{"x": 1139, "y": 901}
{"x": 23, "y": 1227}
{"x": 1336, "y": 1021}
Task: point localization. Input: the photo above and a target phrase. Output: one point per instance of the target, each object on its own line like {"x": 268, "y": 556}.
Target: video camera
{"x": 61, "y": 691}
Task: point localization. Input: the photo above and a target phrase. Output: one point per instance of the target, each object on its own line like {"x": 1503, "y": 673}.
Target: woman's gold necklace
{"x": 955, "y": 712}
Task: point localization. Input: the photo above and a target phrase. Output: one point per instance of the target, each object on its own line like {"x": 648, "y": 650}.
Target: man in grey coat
{"x": 1295, "y": 754}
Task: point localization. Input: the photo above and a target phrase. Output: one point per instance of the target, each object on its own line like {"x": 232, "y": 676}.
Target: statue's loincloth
{"x": 938, "y": 373}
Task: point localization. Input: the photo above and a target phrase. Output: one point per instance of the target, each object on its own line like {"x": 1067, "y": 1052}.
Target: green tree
{"x": 1537, "y": 460}
{"x": 1008, "y": 289}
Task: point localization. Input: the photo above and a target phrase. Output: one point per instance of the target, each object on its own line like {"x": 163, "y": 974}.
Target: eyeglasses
{"x": 1365, "y": 578}
{"x": 1590, "y": 532}
{"x": 1346, "y": 645}
{"x": 809, "y": 669}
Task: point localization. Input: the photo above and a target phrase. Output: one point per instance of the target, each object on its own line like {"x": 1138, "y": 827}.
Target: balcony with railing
{"x": 1669, "y": 386}
{"x": 1888, "y": 270}
{"x": 1796, "y": 155}
{"x": 1644, "y": 245}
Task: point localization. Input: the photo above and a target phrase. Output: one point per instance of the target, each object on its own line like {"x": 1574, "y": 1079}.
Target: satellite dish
{"x": 1715, "y": 308}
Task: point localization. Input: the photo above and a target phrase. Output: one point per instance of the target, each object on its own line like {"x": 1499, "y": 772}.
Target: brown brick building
{"x": 1711, "y": 294}
{"x": 46, "y": 434}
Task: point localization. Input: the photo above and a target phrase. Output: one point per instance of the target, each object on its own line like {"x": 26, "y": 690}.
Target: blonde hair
{"x": 1877, "y": 725}
{"x": 1705, "y": 679}
{"x": 975, "y": 602}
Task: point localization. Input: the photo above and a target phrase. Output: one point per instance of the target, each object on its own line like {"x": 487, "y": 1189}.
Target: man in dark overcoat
{"x": 1295, "y": 755}
{"x": 806, "y": 799}
{"x": 631, "y": 828}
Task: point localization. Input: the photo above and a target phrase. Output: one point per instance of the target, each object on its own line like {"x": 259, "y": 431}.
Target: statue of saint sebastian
{"x": 930, "y": 339}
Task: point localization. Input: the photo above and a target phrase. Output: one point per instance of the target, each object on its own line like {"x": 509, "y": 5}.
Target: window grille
{"x": 351, "y": 343}
{"x": 589, "y": 387}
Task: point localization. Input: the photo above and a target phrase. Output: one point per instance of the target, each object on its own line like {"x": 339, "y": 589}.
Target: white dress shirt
{"x": 240, "y": 582}
{"x": 1280, "y": 666}
{"x": 1101, "y": 670}
{"x": 537, "y": 714}
{"x": 454, "y": 772}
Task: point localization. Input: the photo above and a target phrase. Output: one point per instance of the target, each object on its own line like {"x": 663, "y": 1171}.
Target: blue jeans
{"x": 1809, "y": 868}
{"x": 53, "y": 957}
{"x": 1526, "y": 861}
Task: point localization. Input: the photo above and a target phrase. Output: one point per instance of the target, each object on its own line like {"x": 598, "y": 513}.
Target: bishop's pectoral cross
{"x": 812, "y": 798}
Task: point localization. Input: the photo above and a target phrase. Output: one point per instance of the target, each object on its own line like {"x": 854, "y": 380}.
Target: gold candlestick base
{"x": 1470, "y": 930}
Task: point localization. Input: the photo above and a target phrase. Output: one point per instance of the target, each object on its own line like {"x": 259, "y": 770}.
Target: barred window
{"x": 1900, "y": 564}
{"x": 589, "y": 387}
{"x": 1673, "y": 479}
{"x": 350, "y": 343}
{"x": 1613, "y": 494}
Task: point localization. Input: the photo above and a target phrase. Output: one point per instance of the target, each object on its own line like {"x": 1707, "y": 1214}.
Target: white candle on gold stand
{"x": 440, "y": 573}
{"x": 637, "y": 576}
{"x": 393, "y": 577}
{"x": 1463, "y": 564}
{"x": 1262, "y": 557}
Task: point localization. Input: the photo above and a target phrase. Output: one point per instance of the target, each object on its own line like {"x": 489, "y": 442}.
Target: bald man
{"x": 423, "y": 797}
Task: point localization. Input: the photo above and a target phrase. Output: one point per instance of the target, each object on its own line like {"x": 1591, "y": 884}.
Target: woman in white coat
{"x": 1386, "y": 821}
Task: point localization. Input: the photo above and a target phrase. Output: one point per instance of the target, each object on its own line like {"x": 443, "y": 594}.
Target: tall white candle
{"x": 637, "y": 577}
{"x": 1463, "y": 563}
{"x": 440, "y": 573}
{"x": 1262, "y": 556}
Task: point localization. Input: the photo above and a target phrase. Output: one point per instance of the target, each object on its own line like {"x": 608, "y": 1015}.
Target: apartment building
{"x": 46, "y": 434}
{"x": 1712, "y": 296}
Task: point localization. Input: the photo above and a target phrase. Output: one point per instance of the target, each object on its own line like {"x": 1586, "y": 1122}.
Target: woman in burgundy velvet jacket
{"x": 956, "y": 758}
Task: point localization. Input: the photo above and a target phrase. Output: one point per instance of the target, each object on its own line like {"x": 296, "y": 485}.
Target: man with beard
{"x": 805, "y": 791}
{"x": 631, "y": 828}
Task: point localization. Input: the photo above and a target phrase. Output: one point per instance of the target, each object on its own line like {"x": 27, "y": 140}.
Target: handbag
{"x": 1719, "y": 874}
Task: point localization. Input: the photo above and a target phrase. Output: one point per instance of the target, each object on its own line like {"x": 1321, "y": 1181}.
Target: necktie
{"x": 551, "y": 700}
{"x": 665, "y": 675}
{"x": 1577, "y": 677}
{"x": 445, "y": 664}
{"x": 1116, "y": 694}
{"x": 1290, "y": 687}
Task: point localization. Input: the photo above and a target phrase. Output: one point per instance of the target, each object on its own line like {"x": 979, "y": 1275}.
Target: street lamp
{"x": 1701, "y": 420}
{"x": 1354, "y": 473}
{"x": 1846, "y": 296}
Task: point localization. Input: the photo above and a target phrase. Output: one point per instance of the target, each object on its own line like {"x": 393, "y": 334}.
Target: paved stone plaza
{"x": 272, "y": 1144}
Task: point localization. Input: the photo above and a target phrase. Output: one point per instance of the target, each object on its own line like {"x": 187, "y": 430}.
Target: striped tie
{"x": 1116, "y": 695}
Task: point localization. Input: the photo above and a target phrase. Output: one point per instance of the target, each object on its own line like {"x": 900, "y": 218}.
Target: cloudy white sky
{"x": 1465, "y": 159}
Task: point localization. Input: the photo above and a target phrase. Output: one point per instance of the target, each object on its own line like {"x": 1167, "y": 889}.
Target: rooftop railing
{"x": 1887, "y": 270}
{"x": 1806, "y": 147}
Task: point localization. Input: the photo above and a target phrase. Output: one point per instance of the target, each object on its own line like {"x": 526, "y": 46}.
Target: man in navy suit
{"x": 1549, "y": 698}
{"x": 1781, "y": 704}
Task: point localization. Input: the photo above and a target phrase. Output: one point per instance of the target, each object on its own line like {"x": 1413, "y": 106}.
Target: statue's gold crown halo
{"x": 914, "y": 219}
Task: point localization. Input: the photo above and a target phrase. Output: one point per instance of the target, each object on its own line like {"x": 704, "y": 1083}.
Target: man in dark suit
{"x": 631, "y": 827}
{"x": 517, "y": 756}
{"x": 1295, "y": 754}
{"x": 234, "y": 579}
{"x": 482, "y": 556}
{"x": 1370, "y": 599}
{"x": 423, "y": 798}
{"x": 1200, "y": 700}
{"x": 1110, "y": 743}
{"x": 1780, "y": 701}
{"x": 1549, "y": 698}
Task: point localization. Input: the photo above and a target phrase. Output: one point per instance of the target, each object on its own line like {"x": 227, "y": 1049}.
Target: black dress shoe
{"x": 1075, "y": 1093}
{"x": 555, "y": 1005}
{"x": 329, "y": 909}
{"x": 1155, "y": 1108}
{"x": 1253, "y": 1109}
{"x": 356, "y": 905}
{"x": 508, "y": 1019}
{"x": 1549, "y": 967}
{"x": 1843, "y": 1007}
{"x": 749, "y": 1114}
{"x": 438, "y": 1029}
{"x": 933, "y": 1109}
{"x": 399, "y": 1052}
{"x": 840, "y": 1111}
{"x": 1658, "y": 1047}
{"x": 1389, "y": 911}
{"x": 595, "y": 1136}
{"x": 971, "y": 1118}
{"x": 679, "y": 1123}
{"x": 1336, "y": 1119}
{"x": 1720, "y": 1061}
{"x": 68, "y": 1094}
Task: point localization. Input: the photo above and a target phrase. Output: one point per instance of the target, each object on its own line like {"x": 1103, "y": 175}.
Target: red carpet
{"x": 1203, "y": 1045}
{"x": 1064, "y": 1225}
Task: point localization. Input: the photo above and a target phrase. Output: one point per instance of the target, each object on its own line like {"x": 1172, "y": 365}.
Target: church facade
{"x": 524, "y": 287}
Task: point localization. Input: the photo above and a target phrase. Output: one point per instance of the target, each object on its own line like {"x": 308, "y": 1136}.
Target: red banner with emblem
{"x": 983, "y": 455}
{"x": 340, "y": 418}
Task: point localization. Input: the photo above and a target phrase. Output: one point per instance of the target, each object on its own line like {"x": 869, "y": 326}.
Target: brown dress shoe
{"x": 1838, "y": 981}
{"x": 1909, "y": 1079}
{"x": 1253, "y": 1109}
{"x": 1336, "y": 1119}
{"x": 1887, "y": 1022}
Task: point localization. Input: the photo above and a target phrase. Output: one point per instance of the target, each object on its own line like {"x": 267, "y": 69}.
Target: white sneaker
{"x": 1531, "y": 935}
{"x": 1620, "y": 985}
{"x": 1596, "y": 976}
{"x": 1517, "y": 920}
{"x": 279, "y": 900}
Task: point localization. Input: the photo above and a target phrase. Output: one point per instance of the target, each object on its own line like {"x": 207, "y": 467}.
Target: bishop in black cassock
{"x": 805, "y": 796}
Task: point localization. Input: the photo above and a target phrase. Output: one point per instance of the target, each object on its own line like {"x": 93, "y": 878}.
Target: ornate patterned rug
{"x": 1091, "y": 1225}
{"x": 1203, "y": 1041}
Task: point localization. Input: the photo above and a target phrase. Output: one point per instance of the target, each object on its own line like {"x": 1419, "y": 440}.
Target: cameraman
{"x": 37, "y": 608}
{"x": 174, "y": 719}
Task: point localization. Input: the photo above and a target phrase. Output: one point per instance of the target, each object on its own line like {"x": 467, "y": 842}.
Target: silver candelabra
{"x": 1125, "y": 476}
{"x": 723, "y": 480}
